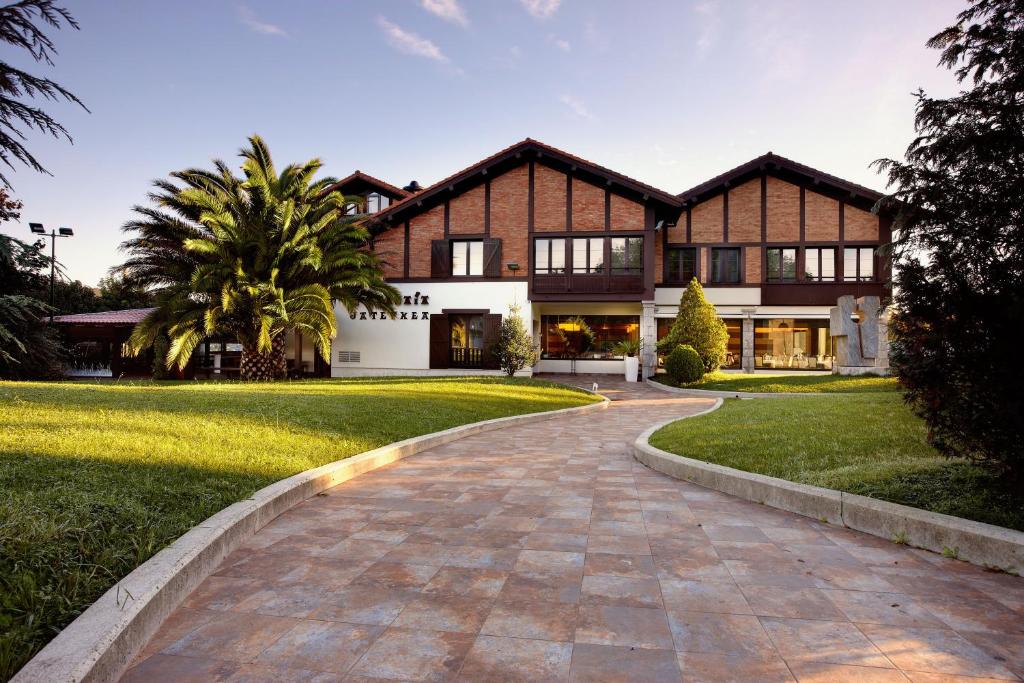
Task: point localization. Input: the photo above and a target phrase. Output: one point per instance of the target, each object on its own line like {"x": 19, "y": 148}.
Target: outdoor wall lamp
{"x": 38, "y": 229}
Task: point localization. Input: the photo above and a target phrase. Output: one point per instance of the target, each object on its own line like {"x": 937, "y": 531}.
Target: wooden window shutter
{"x": 492, "y": 258}
{"x": 492, "y": 334}
{"x": 439, "y": 340}
{"x": 440, "y": 259}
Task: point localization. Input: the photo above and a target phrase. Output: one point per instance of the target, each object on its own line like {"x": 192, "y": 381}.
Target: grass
{"x": 788, "y": 384}
{"x": 869, "y": 444}
{"x": 97, "y": 477}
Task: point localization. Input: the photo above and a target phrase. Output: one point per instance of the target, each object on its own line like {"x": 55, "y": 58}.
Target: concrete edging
{"x": 101, "y": 643}
{"x": 982, "y": 544}
{"x": 735, "y": 394}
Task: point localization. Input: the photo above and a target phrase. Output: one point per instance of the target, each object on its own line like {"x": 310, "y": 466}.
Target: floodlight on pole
{"x": 38, "y": 229}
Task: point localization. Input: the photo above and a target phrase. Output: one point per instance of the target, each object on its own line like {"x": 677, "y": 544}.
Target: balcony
{"x": 806, "y": 293}
{"x": 589, "y": 284}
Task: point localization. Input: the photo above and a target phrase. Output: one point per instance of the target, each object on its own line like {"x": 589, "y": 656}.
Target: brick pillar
{"x": 747, "y": 359}
{"x": 649, "y": 333}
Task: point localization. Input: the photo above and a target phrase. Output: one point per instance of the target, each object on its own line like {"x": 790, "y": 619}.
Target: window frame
{"x": 781, "y": 277}
{"x": 550, "y": 248}
{"x": 739, "y": 266}
{"x": 857, "y": 276}
{"x": 669, "y": 261}
{"x": 628, "y": 251}
{"x": 819, "y": 260}
{"x": 469, "y": 256}
{"x": 588, "y": 268}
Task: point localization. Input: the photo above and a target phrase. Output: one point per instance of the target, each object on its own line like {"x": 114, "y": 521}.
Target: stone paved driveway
{"x": 546, "y": 552}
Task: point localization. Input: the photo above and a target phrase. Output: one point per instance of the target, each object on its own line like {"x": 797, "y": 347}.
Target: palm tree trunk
{"x": 264, "y": 367}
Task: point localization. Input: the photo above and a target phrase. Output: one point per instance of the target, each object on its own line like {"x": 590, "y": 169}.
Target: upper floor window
{"x": 468, "y": 258}
{"x": 858, "y": 264}
{"x": 820, "y": 264}
{"x": 725, "y": 265}
{"x": 376, "y": 202}
{"x": 549, "y": 256}
{"x": 588, "y": 255}
{"x": 627, "y": 254}
{"x": 682, "y": 264}
{"x": 781, "y": 264}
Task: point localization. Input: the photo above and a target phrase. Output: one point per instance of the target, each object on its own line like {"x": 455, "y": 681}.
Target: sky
{"x": 671, "y": 93}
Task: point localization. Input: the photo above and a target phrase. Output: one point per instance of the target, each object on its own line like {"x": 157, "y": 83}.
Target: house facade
{"x": 774, "y": 244}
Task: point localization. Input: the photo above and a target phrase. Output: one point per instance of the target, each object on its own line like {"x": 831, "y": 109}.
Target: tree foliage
{"x": 250, "y": 258}
{"x": 959, "y": 243}
{"x": 684, "y": 365}
{"x": 698, "y": 325}
{"x": 576, "y": 335}
{"x": 22, "y": 26}
{"x": 29, "y": 349}
{"x": 514, "y": 350}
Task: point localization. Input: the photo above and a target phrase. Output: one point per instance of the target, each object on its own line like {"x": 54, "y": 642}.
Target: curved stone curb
{"x": 986, "y": 545}
{"x": 101, "y": 643}
{"x": 736, "y": 394}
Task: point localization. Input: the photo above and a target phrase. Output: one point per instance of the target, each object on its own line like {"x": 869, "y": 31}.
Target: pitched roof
{"x": 127, "y": 316}
{"x": 367, "y": 179}
{"x": 519, "y": 149}
{"x": 774, "y": 161}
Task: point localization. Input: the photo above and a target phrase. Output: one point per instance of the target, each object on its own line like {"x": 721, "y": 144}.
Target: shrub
{"x": 697, "y": 325}
{"x": 514, "y": 349}
{"x": 684, "y": 364}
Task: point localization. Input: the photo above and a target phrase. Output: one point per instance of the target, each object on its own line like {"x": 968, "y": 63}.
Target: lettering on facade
{"x": 416, "y": 299}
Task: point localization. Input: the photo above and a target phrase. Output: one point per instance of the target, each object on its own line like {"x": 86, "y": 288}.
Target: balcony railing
{"x": 627, "y": 282}
{"x": 459, "y": 357}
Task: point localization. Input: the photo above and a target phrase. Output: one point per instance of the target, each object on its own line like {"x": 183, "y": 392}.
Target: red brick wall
{"x": 548, "y": 199}
{"x": 510, "y": 205}
{"x": 659, "y": 260}
{"x": 745, "y": 212}
{"x": 821, "y": 217}
{"x": 627, "y": 214}
{"x": 859, "y": 224}
{"x": 390, "y": 248}
{"x": 783, "y": 200}
{"x": 677, "y": 233}
{"x": 422, "y": 230}
{"x": 587, "y": 206}
{"x": 752, "y": 263}
{"x": 466, "y": 212}
{"x": 706, "y": 221}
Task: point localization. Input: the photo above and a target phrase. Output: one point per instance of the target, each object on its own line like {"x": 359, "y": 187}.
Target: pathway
{"x": 545, "y": 552}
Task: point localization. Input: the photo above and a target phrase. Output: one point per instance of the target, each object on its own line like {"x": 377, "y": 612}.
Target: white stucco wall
{"x": 387, "y": 345}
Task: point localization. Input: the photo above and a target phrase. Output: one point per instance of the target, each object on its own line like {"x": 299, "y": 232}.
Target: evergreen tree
{"x": 959, "y": 247}
{"x": 514, "y": 349}
{"x": 698, "y": 325}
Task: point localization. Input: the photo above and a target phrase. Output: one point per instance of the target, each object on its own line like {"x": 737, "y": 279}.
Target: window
{"x": 627, "y": 254}
{"x": 466, "y": 341}
{"x": 549, "y": 256}
{"x": 376, "y": 202}
{"x": 859, "y": 264}
{"x": 588, "y": 255}
{"x": 468, "y": 258}
{"x": 725, "y": 265}
{"x": 682, "y": 264}
{"x": 792, "y": 344}
{"x": 562, "y": 336}
{"x": 781, "y": 264}
{"x": 820, "y": 264}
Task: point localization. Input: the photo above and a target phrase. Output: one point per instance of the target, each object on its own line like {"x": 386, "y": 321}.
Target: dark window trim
{"x": 817, "y": 251}
{"x": 782, "y": 276}
{"x": 629, "y": 239}
{"x": 551, "y": 250}
{"x": 739, "y": 266}
{"x": 857, "y": 277}
{"x": 469, "y": 260}
{"x": 669, "y": 260}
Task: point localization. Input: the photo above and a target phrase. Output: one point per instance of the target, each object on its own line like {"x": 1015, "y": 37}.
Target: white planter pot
{"x": 632, "y": 367}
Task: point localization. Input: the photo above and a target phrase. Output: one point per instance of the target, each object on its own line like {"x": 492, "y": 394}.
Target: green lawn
{"x": 788, "y": 384}
{"x": 97, "y": 477}
{"x": 869, "y": 444}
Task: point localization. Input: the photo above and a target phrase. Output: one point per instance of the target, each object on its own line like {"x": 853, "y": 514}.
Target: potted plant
{"x": 630, "y": 349}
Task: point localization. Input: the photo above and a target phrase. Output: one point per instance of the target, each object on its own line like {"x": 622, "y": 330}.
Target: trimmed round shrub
{"x": 684, "y": 364}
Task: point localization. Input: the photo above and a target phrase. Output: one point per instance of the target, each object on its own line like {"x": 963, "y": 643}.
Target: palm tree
{"x": 250, "y": 258}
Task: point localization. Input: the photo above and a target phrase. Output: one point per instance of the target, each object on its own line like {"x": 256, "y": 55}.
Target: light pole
{"x": 38, "y": 229}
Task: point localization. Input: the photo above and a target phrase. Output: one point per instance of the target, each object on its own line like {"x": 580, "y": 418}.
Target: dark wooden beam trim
{"x": 447, "y": 216}
{"x": 529, "y": 211}
{"x": 764, "y": 225}
{"x": 487, "y": 208}
{"x": 689, "y": 224}
{"x": 607, "y": 210}
{"x": 803, "y": 214}
{"x": 841, "y": 257}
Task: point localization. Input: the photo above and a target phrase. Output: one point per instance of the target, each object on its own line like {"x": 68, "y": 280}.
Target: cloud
{"x": 249, "y": 19}
{"x": 541, "y": 9}
{"x": 709, "y": 22}
{"x": 410, "y": 43}
{"x": 449, "y": 10}
{"x": 577, "y": 107}
{"x": 594, "y": 36}
{"x": 562, "y": 44}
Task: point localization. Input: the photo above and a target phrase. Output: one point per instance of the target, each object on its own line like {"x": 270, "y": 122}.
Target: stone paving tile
{"x": 546, "y": 552}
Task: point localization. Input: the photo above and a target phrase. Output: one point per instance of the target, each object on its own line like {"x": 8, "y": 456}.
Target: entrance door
{"x": 466, "y": 341}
